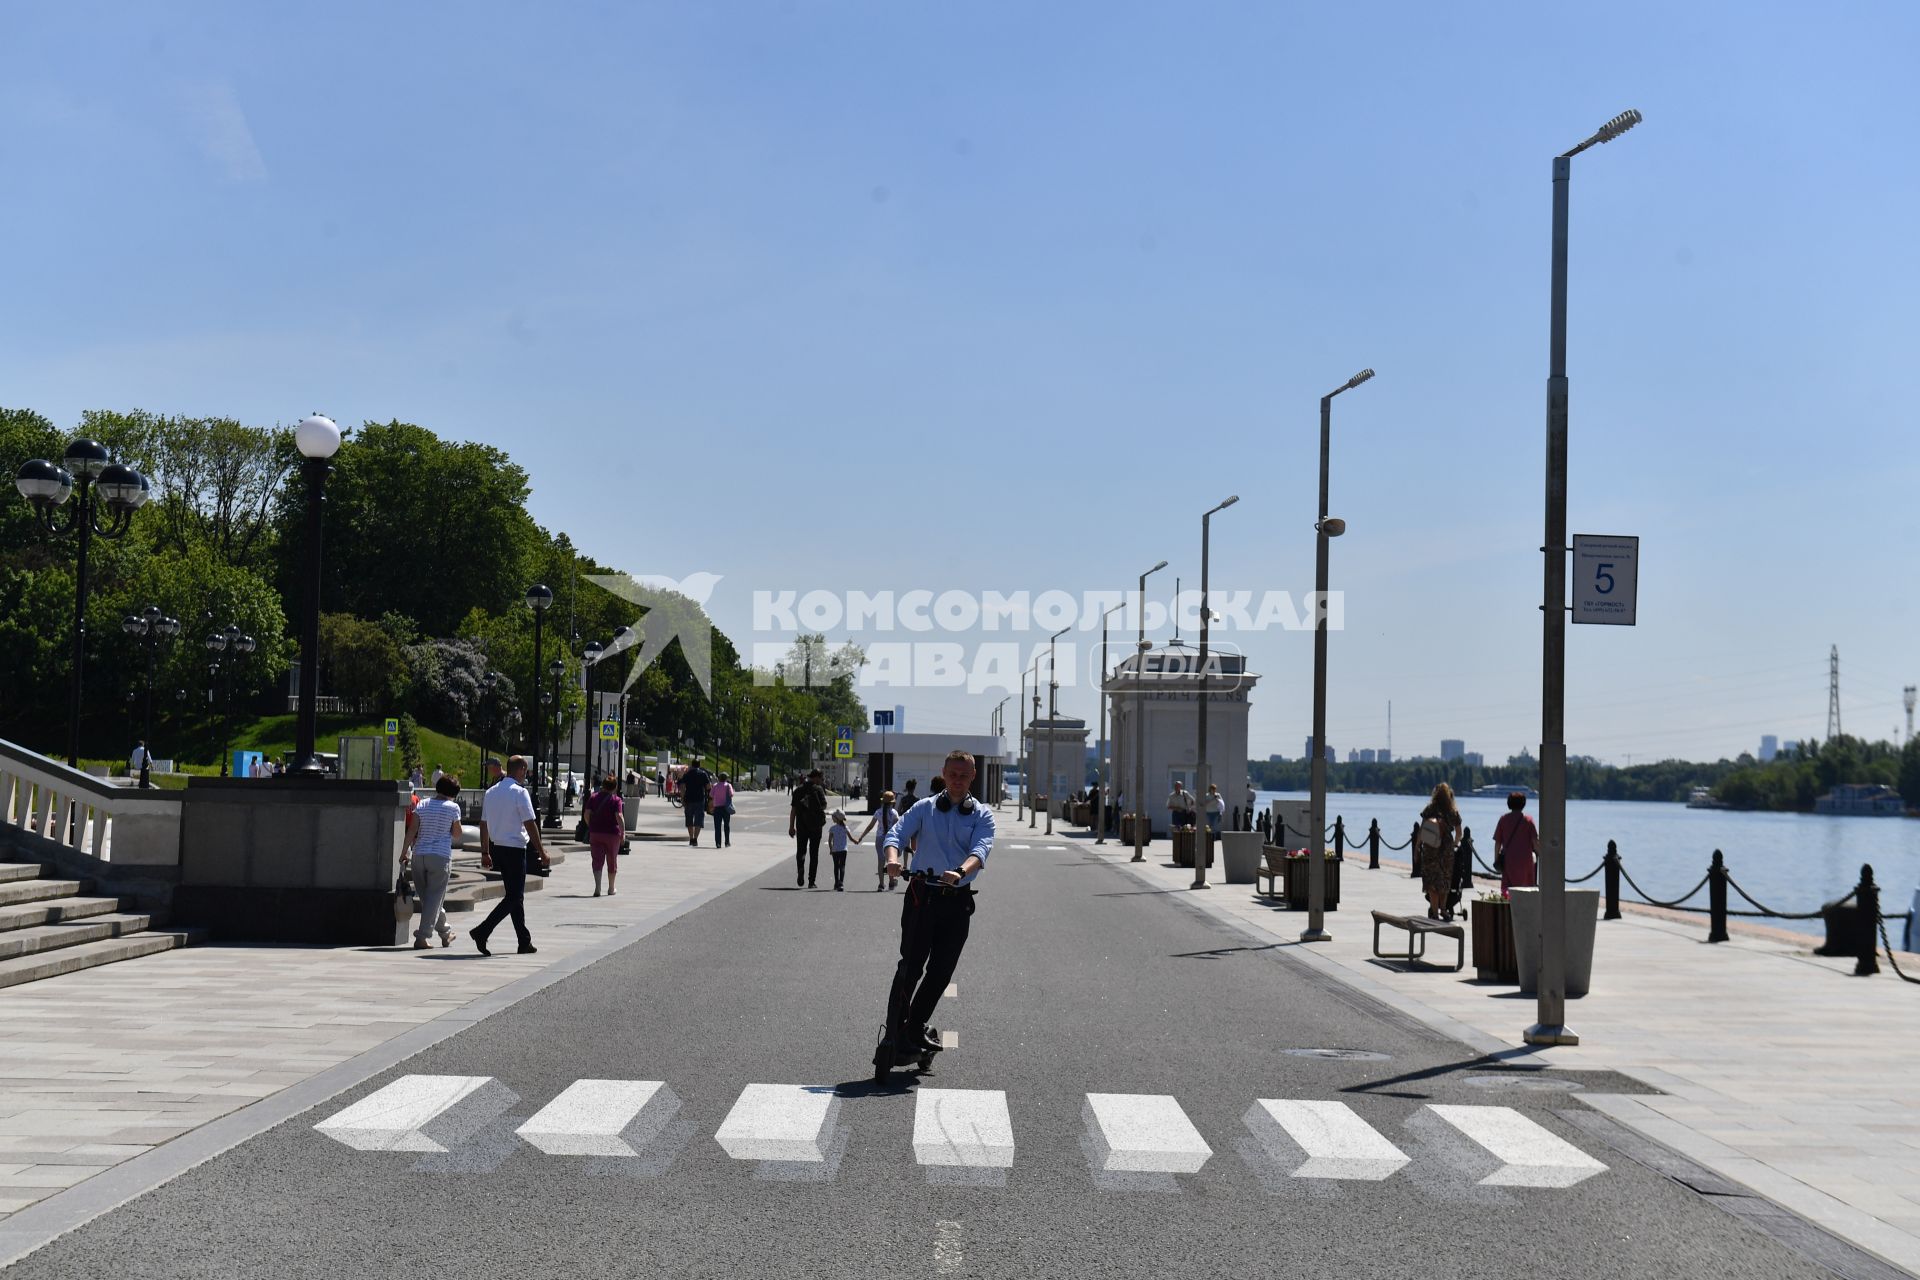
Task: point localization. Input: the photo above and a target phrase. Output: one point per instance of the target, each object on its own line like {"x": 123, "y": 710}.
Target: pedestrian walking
{"x": 605, "y": 827}
{"x": 570, "y": 789}
{"x": 806, "y": 815}
{"x": 694, "y": 784}
{"x": 1439, "y": 834}
{"x": 1180, "y": 807}
{"x": 837, "y": 837}
{"x": 883, "y": 817}
{"x": 438, "y": 773}
{"x": 1515, "y": 842}
{"x": 509, "y": 837}
{"x": 907, "y": 798}
{"x": 433, "y": 828}
{"x": 416, "y": 779}
{"x": 952, "y": 842}
{"x": 720, "y": 804}
{"x": 1216, "y": 808}
{"x": 1253, "y": 802}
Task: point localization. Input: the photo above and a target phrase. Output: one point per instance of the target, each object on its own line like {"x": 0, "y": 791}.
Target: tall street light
{"x": 1053, "y": 715}
{"x": 1104, "y": 793}
{"x": 227, "y": 647}
{"x": 1550, "y": 1024}
{"x": 1202, "y": 841}
{"x": 1026, "y": 774}
{"x": 1033, "y": 722}
{"x": 318, "y": 439}
{"x": 1324, "y": 531}
{"x": 539, "y": 598}
{"x": 997, "y": 726}
{"x": 150, "y": 626}
{"x": 591, "y": 654}
{"x": 89, "y": 476}
{"x": 1140, "y": 724}
{"x": 551, "y": 721}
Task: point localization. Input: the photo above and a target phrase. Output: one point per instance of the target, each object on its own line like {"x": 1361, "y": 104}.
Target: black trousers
{"x": 933, "y": 930}
{"x": 806, "y": 854}
{"x": 839, "y": 867}
{"x": 512, "y": 866}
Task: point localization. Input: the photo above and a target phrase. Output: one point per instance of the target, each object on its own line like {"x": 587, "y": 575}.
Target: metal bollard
{"x": 1868, "y": 897}
{"x": 1413, "y": 850}
{"x": 1339, "y": 838}
{"x": 1373, "y": 846}
{"x": 1612, "y": 862}
{"x": 1717, "y": 898}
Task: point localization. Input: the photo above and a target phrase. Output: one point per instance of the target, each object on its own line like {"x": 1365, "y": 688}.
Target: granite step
{"x": 28, "y": 915}
{"x": 88, "y": 955}
{"x": 51, "y": 937}
{"x": 37, "y": 890}
{"x": 11, "y": 871}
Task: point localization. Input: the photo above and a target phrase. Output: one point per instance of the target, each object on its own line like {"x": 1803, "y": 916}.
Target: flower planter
{"x": 1297, "y": 884}
{"x": 1493, "y": 955}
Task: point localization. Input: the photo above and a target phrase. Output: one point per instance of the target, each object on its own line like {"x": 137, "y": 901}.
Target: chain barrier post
{"x": 1339, "y": 839}
{"x": 1868, "y": 897}
{"x": 1612, "y": 864}
{"x": 1373, "y": 846}
{"x": 1717, "y": 898}
{"x": 1413, "y": 850}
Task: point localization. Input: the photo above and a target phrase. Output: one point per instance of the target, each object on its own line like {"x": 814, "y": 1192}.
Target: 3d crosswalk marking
{"x": 420, "y": 1113}
{"x": 1336, "y": 1142}
{"x": 1019, "y": 846}
{"x": 1529, "y": 1155}
{"x": 949, "y": 1039}
{"x": 788, "y": 1122}
{"x": 602, "y": 1118}
{"x": 951, "y": 993}
{"x": 966, "y": 1127}
{"x": 1142, "y": 1133}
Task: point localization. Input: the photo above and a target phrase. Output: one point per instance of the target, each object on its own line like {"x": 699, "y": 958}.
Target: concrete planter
{"x": 1493, "y": 957}
{"x": 1242, "y": 853}
{"x": 1583, "y": 909}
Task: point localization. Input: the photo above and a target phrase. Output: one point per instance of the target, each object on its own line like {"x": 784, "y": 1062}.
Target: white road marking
{"x": 420, "y": 1113}
{"x": 1056, "y": 848}
{"x": 1529, "y": 1155}
{"x": 947, "y": 1254}
{"x": 951, "y": 993}
{"x": 949, "y": 1039}
{"x": 602, "y": 1118}
{"x": 968, "y": 1127}
{"x": 1019, "y": 846}
{"x": 789, "y": 1122}
{"x": 1336, "y": 1142}
{"x": 1142, "y": 1133}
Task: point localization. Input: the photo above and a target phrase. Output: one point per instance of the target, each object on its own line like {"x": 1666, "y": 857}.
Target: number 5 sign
{"x": 1606, "y": 579}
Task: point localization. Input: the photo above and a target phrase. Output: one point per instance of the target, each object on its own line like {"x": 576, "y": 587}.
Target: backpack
{"x": 810, "y": 806}
{"x": 1433, "y": 833}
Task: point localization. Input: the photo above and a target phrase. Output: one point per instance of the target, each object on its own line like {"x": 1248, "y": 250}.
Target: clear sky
{"x": 865, "y": 296}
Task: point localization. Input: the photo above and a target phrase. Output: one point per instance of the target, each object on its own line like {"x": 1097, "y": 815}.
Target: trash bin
{"x": 1242, "y": 854}
{"x": 630, "y": 808}
{"x": 1583, "y": 909}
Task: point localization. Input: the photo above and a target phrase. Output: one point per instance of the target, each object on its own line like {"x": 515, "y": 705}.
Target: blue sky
{"x": 867, "y": 296}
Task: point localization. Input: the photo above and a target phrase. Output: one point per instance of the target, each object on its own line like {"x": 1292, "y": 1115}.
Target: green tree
{"x": 359, "y": 660}
{"x": 1910, "y": 773}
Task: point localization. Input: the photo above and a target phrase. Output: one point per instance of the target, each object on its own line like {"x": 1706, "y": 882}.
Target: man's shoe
{"x": 528, "y": 949}
{"x": 419, "y": 944}
{"x": 481, "y": 943}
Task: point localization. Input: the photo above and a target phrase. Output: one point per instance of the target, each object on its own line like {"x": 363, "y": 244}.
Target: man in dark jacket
{"x": 806, "y": 819}
{"x": 693, "y": 799}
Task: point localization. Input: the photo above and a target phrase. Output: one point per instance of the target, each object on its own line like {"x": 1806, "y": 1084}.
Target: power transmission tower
{"x": 1833, "y": 694}
{"x": 1907, "y": 693}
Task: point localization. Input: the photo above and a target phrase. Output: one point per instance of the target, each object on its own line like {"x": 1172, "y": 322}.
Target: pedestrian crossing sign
{"x": 393, "y": 726}
{"x": 843, "y": 749}
{"x": 609, "y": 731}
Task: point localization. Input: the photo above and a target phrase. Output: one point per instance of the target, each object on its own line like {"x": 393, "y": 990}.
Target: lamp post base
{"x": 1315, "y": 935}
{"x": 1546, "y": 1033}
{"x": 1199, "y": 884}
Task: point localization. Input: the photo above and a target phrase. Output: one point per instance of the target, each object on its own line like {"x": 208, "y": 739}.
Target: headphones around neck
{"x": 943, "y": 804}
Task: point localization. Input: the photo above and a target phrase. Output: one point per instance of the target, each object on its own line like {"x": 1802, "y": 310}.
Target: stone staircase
{"x": 48, "y": 926}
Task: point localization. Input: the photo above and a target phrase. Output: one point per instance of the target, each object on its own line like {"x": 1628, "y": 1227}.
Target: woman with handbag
{"x": 433, "y": 828}
{"x": 1439, "y": 833}
{"x": 605, "y": 825}
{"x": 720, "y": 805}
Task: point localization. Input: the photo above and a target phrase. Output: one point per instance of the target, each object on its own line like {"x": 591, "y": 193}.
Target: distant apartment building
{"x": 1368, "y": 755}
{"x": 1452, "y": 749}
{"x": 1353, "y": 755}
{"x": 1383, "y": 756}
{"x": 1473, "y": 759}
{"x": 1276, "y": 759}
{"x": 1769, "y": 746}
{"x": 1306, "y": 751}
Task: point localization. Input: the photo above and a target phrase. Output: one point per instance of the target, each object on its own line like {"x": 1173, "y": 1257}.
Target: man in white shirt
{"x": 1180, "y": 807}
{"x": 139, "y": 762}
{"x": 509, "y": 837}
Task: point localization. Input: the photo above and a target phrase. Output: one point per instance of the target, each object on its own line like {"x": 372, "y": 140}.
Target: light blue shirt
{"x": 944, "y": 840}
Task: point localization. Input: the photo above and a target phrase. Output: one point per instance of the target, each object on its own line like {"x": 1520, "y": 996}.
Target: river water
{"x": 1789, "y": 861}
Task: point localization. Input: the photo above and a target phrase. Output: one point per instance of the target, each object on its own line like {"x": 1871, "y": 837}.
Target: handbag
{"x": 581, "y": 834}
{"x": 403, "y": 896}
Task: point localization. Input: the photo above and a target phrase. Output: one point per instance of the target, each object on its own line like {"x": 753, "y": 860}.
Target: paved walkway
{"x": 1779, "y": 1069}
{"x": 100, "y": 1066}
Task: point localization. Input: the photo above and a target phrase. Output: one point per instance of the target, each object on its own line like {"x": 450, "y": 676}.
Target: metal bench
{"x": 1418, "y": 927}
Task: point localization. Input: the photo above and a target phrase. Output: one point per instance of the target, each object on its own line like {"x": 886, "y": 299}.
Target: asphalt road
{"x": 1077, "y": 981}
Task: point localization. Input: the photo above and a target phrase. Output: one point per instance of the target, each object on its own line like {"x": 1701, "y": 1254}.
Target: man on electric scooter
{"x": 950, "y": 835}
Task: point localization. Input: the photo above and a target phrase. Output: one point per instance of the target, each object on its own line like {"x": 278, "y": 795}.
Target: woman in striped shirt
{"x": 433, "y": 828}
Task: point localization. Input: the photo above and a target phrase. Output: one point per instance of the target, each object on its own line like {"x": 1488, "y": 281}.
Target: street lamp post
{"x": 539, "y": 598}
{"x": 318, "y": 439}
{"x": 1026, "y": 774}
{"x": 1140, "y": 724}
{"x": 89, "y": 476}
{"x": 1324, "y": 530}
{"x": 1202, "y": 840}
{"x": 149, "y": 626}
{"x": 1104, "y": 791}
{"x": 1053, "y": 715}
{"x": 1550, "y": 1024}
{"x": 592, "y": 656}
{"x": 1033, "y": 724}
{"x": 228, "y": 647}
{"x": 556, "y": 669}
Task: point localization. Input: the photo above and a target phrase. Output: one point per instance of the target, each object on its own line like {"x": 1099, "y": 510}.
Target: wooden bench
{"x": 1274, "y": 872}
{"x": 1418, "y": 927}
